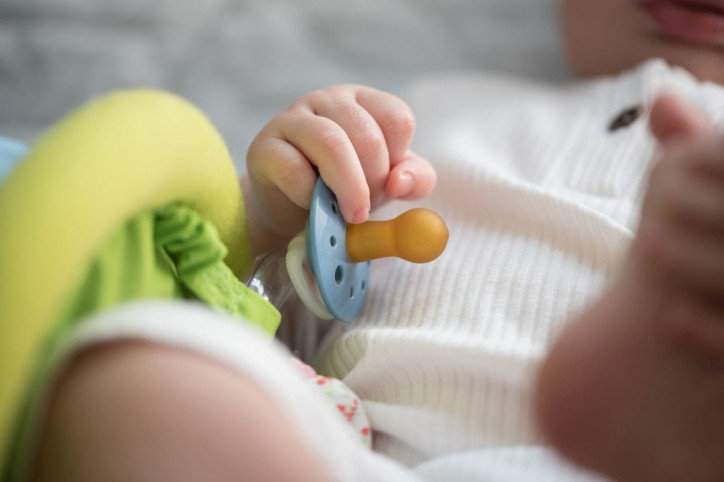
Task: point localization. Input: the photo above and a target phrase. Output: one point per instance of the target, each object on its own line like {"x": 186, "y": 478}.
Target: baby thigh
{"x": 134, "y": 410}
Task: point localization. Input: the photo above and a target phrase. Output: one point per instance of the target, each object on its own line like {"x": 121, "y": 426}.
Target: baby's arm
{"x": 357, "y": 138}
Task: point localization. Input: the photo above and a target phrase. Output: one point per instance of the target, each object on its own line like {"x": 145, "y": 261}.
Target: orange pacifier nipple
{"x": 339, "y": 254}
{"x": 418, "y": 235}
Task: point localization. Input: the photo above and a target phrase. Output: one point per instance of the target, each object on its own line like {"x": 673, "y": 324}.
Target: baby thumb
{"x": 672, "y": 118}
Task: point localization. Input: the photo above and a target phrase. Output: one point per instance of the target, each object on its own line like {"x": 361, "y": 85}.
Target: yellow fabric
{"x": 111, "y": 159}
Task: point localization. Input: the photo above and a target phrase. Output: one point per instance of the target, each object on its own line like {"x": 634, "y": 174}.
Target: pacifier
{"x": 329, "y": 262}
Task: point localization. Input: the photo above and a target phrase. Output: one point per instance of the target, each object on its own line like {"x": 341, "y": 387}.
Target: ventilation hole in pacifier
{"x": 332, "y": 241}
{"x": 334, "y": 208}
{"x": 364, "y": 285}
{"x": 339, "y": 274}
{"x": 351, "y": 292}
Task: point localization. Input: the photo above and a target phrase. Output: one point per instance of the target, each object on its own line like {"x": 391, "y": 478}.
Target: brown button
{"x": 626, "y": 118}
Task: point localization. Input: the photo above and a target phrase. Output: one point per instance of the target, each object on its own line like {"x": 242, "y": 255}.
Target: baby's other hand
{"x": 357, "y": 138}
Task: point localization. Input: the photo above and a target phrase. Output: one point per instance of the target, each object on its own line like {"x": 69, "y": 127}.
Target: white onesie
{"x": 541, "y": 199}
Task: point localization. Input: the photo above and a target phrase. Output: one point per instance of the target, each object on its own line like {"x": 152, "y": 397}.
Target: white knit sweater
{"x": 542, "y": 201}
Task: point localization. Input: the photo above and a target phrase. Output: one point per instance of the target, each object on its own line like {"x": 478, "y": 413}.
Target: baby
{"x": 562, "y": 204}
{"x": 634, "y": 387}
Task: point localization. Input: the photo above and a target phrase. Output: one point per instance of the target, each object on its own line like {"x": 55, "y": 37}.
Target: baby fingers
{"x": 277, "y": 166}
{"x": 395, "y": 119}
{"x": 694, "y": 199}
{"x": 326, "y": 144}
{"x": 356, "y": 138}
{"x": 411, "y": 178}
{"x": 682, "y": 227}
{"x": 379, "y": 127}
{"x": 688, "y": 260}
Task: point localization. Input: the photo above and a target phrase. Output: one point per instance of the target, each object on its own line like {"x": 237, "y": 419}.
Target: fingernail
{"x": 360, "y": 215}
{"x": 406, "y": 184}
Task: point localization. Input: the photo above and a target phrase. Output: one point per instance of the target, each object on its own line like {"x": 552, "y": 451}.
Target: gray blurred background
{"x": 242, "y": 61}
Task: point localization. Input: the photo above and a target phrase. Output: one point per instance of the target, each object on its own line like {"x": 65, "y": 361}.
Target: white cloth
{"x": 250, "y": 352}
{"x": 542, "y": 202}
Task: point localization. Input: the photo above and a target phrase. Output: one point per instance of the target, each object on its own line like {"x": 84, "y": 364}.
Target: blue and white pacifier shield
{"x": 342, "y": 283}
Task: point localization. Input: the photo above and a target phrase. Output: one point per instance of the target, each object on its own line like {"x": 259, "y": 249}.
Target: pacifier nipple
{"x": 418, "y": 235}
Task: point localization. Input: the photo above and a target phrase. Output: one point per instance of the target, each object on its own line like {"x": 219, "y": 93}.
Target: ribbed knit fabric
{"x": 542, "y": 202}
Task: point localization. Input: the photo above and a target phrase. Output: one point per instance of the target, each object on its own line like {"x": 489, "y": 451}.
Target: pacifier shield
{"x": 342, "y": 283}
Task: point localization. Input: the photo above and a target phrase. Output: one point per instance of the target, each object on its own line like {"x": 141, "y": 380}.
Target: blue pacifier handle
{"x": 342, "y": 282}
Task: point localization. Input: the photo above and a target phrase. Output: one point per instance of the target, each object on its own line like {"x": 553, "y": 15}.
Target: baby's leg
{"x": 140, "y": 411}
{"x": 635, "y": 387}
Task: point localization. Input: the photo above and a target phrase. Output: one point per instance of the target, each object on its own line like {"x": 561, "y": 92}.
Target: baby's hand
{"x": 681, "y": 237}
{"x": 357, "y": 138}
